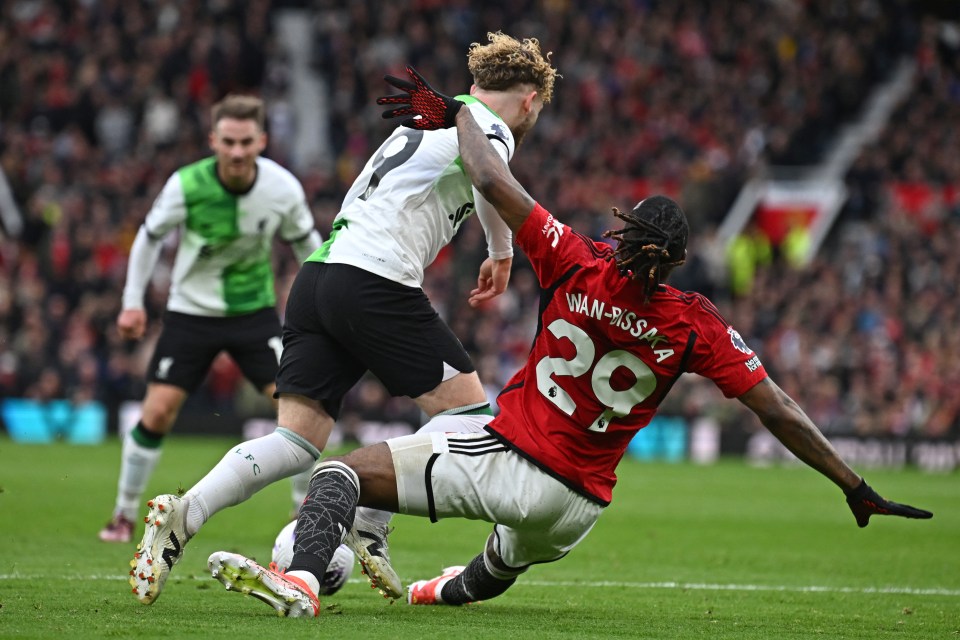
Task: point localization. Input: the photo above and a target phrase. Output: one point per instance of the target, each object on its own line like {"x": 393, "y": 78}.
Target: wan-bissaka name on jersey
{"x": 603, "y": 361}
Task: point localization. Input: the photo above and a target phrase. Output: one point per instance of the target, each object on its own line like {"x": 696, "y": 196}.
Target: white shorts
{"x": 473, "y": 475}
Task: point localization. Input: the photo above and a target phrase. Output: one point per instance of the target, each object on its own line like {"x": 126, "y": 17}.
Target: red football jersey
{"x": 603, "y": 361}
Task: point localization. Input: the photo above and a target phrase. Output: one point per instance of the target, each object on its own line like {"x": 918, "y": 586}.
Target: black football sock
{"x": 474, "y": 584}
{"x": 325, "y": 517}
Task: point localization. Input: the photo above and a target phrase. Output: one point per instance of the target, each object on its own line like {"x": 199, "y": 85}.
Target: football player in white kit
{"x": 228, "y": 208}
{"x": 357, "y": 305}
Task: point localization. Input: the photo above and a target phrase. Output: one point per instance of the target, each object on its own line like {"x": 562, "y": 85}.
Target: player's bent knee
{"x": 463, "y": 389}
{"x": 495, "y": 564}
{"x": 375, "y": 470}
{"x": 329, "y": 465}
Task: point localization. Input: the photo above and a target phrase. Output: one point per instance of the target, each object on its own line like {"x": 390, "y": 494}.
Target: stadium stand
{"x": 100, "y": 101}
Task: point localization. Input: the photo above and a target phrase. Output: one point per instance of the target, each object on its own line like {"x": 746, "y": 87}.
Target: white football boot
{"x": 369, "y": 541}
{"x": 161, "y": 547}
{"x": 289, "y": 596}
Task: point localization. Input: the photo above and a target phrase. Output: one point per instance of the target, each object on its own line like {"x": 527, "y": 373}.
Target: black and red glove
{"x": 428, "y": 108}
{"x": 865, "y": 502}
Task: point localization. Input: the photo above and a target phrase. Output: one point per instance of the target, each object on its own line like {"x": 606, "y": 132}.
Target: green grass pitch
{"x": 722, "y": 551}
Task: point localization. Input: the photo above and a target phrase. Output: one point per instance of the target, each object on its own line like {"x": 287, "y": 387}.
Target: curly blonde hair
{"x": 506, "y": 62}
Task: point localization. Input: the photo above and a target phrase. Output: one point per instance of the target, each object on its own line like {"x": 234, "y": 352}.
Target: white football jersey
{"x": 223, "y": 263}
{"x": 410, "y": 199}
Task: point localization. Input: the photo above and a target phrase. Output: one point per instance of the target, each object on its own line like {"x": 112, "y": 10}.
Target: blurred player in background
{"x": 228, "y": 208}
{"x": 357, "y": 305}
{"x": 613, "y": 339}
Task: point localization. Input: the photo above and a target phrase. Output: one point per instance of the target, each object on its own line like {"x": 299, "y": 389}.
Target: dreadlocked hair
{"x": 652, "y": 243}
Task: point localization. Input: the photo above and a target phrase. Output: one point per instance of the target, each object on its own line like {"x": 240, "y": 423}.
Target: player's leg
{"x": 411, "y": 457}
{"x": 256, "y": 348}
{"x": 252, "y": 465}
{"x": 486, "y": 577}
{"x": 434, "y": 475}
{"x": 312, "y": 366}
{"x": 412, "y": 351}
{"x": 400, "y": 337}
{"x": 172, "y": 521}
{"x": 303, "y": 426}
{"x": 325, "y": 516}
{"x": 368, "y": 538}
{"x": 298, "y": 482}
{"x": 299, "y": 485}
{"x": 324, "y": 519}
{"x": 456, "y": 393}
{"x": 539, "y": 519}
{"x": 181, "y": 358}
{"x": 139, "y": 455}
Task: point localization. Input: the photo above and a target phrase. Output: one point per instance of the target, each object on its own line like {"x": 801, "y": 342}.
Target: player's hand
{"x": 492, "y": 281}
{"x": 435, "y": 110}
{"x": 865, "y": 502}
{"x": 132, "y": 323}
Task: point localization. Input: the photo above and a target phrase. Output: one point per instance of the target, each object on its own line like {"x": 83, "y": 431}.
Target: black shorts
{"x": 342, "y": 321}
{"x": 188, "y": 344}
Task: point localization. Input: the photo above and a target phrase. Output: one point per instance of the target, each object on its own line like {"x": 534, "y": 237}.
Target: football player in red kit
{"x": 612, "y": 340}
{"x": 605, "y": 357}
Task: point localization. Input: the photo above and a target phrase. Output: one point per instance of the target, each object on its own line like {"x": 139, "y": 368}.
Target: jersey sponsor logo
{"x": 738, "y": 342}
{"x": 462, "y": 212}
{"x": 370, "y": 256}
{"x": 553, "y": 229}
{"x": 623, "y": 319}
{"x": 163, "y": 367}
{"x": 239, "y": 249}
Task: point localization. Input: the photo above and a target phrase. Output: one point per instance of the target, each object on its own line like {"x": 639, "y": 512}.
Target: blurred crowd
{"x": 866, "y": 335}
{"x": 101, "y": 100}
{"x": 99, "y": 103}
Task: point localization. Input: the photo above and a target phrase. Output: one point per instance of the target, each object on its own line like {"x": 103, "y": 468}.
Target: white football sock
{"x": 445, "y": 423}
{"x": 299, "y": 485}
{"x": 137, "y": 463}
{"x": 367, "y": 518}
{"x": 246, "y": 469}
{"x": 307, "y": 577}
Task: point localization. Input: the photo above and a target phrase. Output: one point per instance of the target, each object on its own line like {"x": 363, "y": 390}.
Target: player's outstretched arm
{"x": 787, "y": 421}
{"x": 423, "y": 107}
